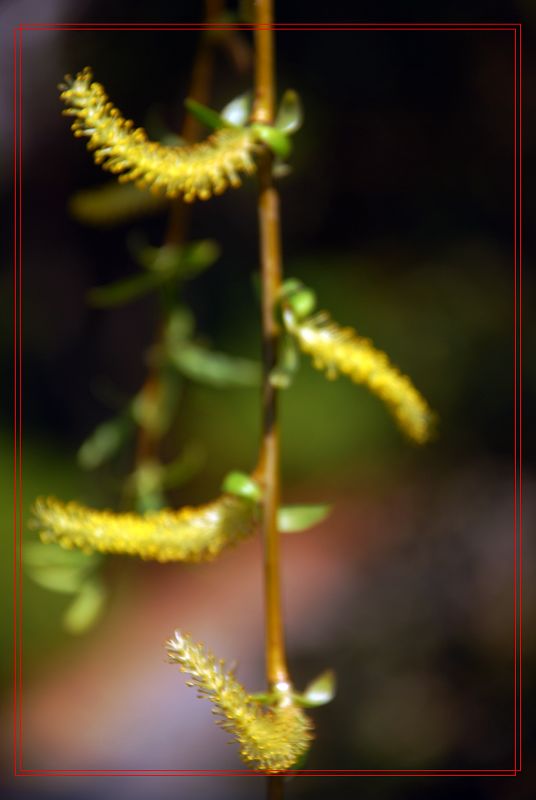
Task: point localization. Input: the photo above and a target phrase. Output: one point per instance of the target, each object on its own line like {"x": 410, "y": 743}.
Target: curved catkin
{"x": 114, "y": 203}
{"x": 195, "y": 171}
{"x": 190, "y": 534}
{"x": 340, "y": 350}
{"x": 271, "y": 740}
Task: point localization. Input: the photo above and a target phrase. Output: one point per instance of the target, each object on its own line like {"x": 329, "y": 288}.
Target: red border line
{"x": 328, "y": 26}
{"x": 515, "y": 401}
{"x": 324, "y": 26}
{"x": 127, "y": 27}
{"x": 19, "y": 399}
{"x": 252, "y": 773}
{"x": 15, "y": 388}
{"x": 520, "y": 251}
{"x": 18, "y": 769}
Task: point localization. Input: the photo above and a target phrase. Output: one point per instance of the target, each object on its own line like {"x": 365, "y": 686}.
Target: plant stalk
{"x": 271, "y": 271}
{"x": 179, "y": 213}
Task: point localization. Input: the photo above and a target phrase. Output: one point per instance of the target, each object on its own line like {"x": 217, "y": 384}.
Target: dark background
{"x": 399, "y": 211}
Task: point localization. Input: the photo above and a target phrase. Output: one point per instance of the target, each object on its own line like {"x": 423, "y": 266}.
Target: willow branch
{"x": 270, "y": 260}
{"x": 179, "y": 214}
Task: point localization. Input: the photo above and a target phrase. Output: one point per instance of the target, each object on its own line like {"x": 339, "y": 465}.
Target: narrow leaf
{"x": 172, "y": 260}
{"x": 113, "y": 204}
{"x": 273, "y": 138}
{"x": 319, "y": 692}
{"x": 238, "y": 110}
{"x": 290, "y": 114}
{"x": 205, "y": 115}
{"x": 263, "y": 698}
{"x": 64, "y": 580}
{"x": 291, "y": 519}
{"x": 154, "y": 409}
{"x": 179, "y": 327}
{"x": 124, "y": 291}
{"x": 184, "y": 467}
{"x": 37, "y": 554}
{"x": 198, "y": 256}
{"x": 105, "y": 441}
{"x": 288, "y": 361}
{"x": 85, "y": 610}
{"x": 215, "y": 369}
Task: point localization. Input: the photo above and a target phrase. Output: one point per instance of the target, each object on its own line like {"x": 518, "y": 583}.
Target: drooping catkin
{"x": 341, "y": 350}
{"x": 190, "y": 534}
{"x": 195, "y": 171}
{"x": 271, "y": 740}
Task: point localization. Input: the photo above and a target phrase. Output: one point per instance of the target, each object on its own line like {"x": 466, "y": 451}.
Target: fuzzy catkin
{"x": 341, "y": 350}
{"x": 272, "y": 740}
{"x": 195, "y": 171}
{"x": 190, "y": 534}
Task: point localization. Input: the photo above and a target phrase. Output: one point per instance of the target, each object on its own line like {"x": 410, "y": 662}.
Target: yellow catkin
{"x": 113, "y": 203}
{"x": 190, "y": 534}
{"x": 271, "y": 740}
{"x": 194, "y": 171}
{"x": 340, "y": 350}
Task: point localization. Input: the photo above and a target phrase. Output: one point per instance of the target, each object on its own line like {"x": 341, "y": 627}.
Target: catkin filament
{"x": 190, "y": 534}
{"x": 195, "y": 171}
{"x": 271, "y": 740}
{"x": 340, "y": 350}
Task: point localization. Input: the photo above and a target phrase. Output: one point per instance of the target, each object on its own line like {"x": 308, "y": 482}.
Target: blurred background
{"x": 399, "y": 213}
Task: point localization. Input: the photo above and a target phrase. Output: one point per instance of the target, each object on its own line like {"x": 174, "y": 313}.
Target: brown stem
{"x": 270, "y": 258}
{"x": 275, "y": 788}
{"x": 179, "y": 213}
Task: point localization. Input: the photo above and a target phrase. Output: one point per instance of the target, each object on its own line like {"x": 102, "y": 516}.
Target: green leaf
{"x": 289, "y": 286}
{"x": 215, "y": 369}
{"x": 263, "y": 698}
{"x": 290, "y": 114}
{"x": 64, "y": 580}
{"x": 238, "y": 110}
{"x": 173, "y": 261}
{"x": 114, "y": 203}
{"x": 291, "y": 519}
{"x": 197, "y": 257}
{"x": 146, "y": 483}
{"x": 56, "y": 569}
{"x": 288, "y": 361}
{"x": 164, "y": 260}
{"x": 273, "y": 138}
{"x": 124, "y": 291}
{"x": 184, "y": 467}
{"x": 84, "y": 612}
{"x": 37, "y": 554}
{"x": 319, "y": 692}
{"x": 242, "y": 485}
{"x": 207, "y": 116}
{"x": 154, "y": 410}
{"x": 179, "y": 327}
{"x": 105, "y": 441}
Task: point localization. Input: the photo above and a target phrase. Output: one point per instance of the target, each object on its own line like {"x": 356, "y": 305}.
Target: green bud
{"x": 242, "y": 485}
{"x": 302, "y": 303}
